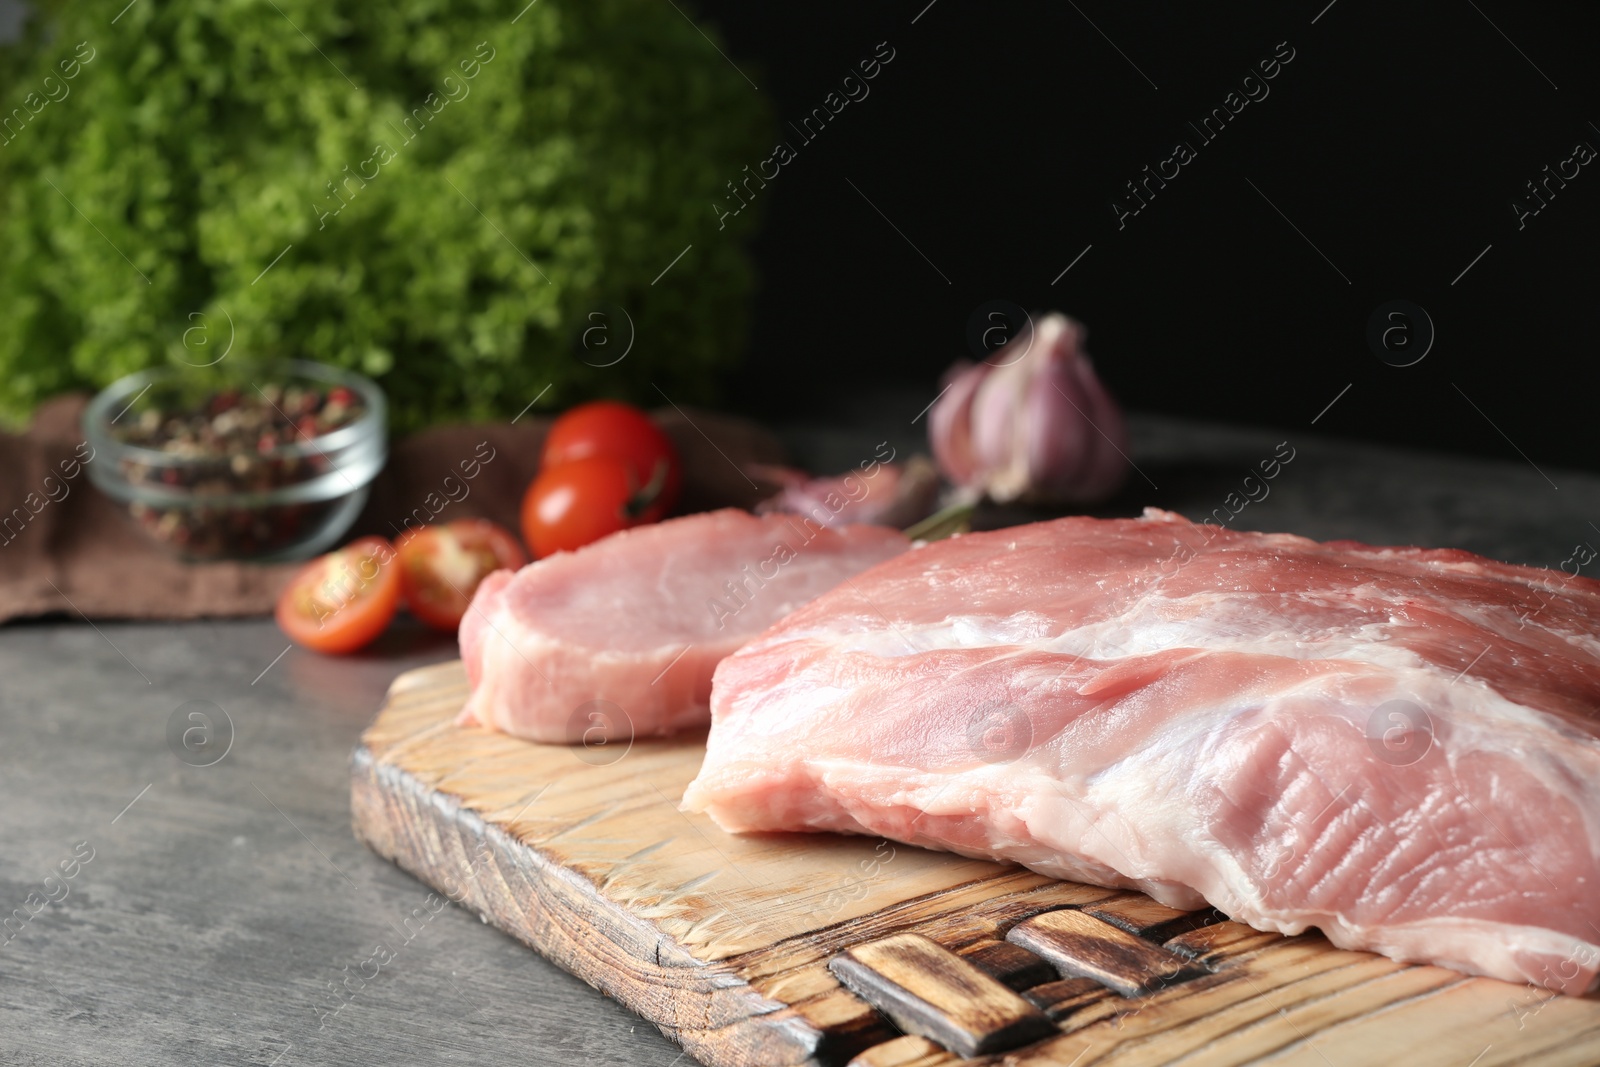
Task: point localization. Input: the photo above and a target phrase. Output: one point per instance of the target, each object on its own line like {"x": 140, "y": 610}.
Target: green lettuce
{"x": 443, "y": 194}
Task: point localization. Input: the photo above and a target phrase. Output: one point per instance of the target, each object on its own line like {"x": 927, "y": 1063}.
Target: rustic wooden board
{"x": 734, "y": 946}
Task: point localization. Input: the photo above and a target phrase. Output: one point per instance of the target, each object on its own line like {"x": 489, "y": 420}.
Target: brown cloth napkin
{"x": 66, "y": 547}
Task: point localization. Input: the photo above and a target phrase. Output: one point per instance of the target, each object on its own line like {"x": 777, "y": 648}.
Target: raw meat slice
{"x": 1398, "y": 746}
{"x": 619, "y": 638}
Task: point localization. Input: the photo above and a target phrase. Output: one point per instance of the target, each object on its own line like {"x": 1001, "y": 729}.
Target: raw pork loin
{"x": 1396, "y": 745}
{"x": 619, "y": 638}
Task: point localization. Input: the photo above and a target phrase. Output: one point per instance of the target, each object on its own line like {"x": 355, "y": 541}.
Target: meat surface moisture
{"x": 1395, "y": 745}
{"x": 619, "y": 638}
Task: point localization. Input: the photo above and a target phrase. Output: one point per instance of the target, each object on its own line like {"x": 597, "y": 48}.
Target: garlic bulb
{"x": 1032, "y": 422}
{"x": 882, "y": 493}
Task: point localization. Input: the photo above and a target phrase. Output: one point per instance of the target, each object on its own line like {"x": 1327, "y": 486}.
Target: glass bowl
{"x": 268, "y": 461}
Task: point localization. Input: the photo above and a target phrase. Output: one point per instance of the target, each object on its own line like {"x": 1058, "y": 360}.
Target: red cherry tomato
{"x": 441, "y": 566}
{"x": 342, "y": 601}
{"x": 606, "y": 428}
{"x": 574, "y": 503}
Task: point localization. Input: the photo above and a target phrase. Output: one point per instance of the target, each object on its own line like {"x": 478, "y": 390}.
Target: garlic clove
{"x": 1109, "y": 466}
{"x": 880, "y": 493}
{"x": 950, "y": 420}
{"x": 1055, "y": 434}
{"x": 999, "y": 428}
{"x": 1032, "y": 423}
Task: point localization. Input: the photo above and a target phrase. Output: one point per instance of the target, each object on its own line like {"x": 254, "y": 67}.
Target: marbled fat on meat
{"x": 619, "y": 638}
{"x": 1395, "y": 745}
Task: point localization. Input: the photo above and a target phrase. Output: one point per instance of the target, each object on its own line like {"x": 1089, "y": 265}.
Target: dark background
{"x": 998, "y": 136}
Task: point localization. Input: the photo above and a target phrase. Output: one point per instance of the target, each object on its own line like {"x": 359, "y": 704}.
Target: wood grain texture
{"x": 926, "y": 989}
{"x": 907, "y": 1051}
{"x": 1219, "y": 941}
{"x": 1063, "y": 997}
{"x": 734, "y": 946}
{"x": 1016, "y": 967}
{"x": 1152, "y": 921}
{"x": 1082, "y": 946}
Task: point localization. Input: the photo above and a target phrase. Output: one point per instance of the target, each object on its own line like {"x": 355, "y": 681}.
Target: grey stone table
{"x": 221, "y": 901}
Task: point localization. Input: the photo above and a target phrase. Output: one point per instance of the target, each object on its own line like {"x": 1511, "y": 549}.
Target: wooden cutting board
{"x": 829, "y": 950}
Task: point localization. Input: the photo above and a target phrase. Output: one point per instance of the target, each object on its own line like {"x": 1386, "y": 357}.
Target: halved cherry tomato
{"x": 441, "y": 566}
{"x": 613, "y": 430}
{"x": 574, "y": 503}
{"x": 342, "y": 601}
